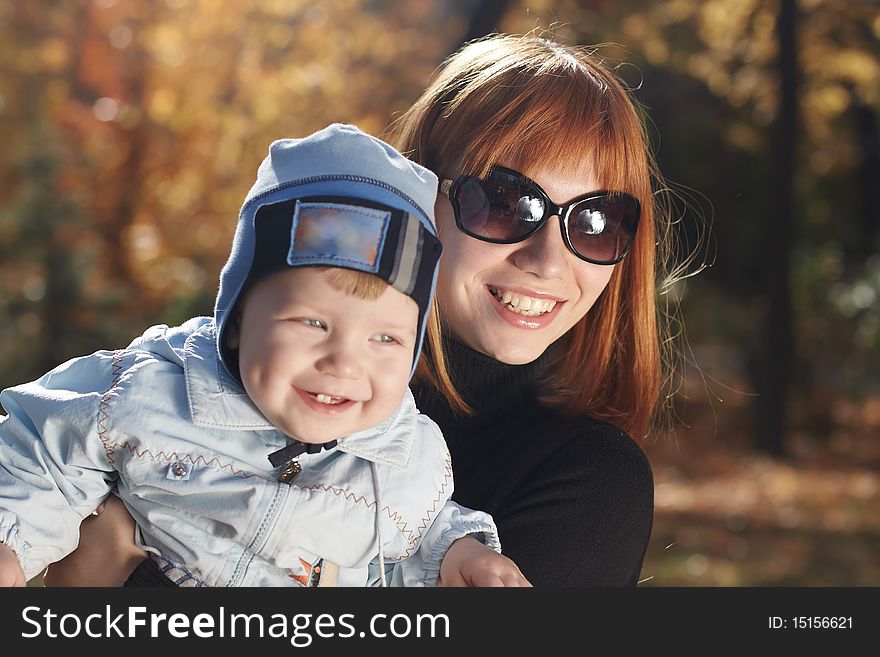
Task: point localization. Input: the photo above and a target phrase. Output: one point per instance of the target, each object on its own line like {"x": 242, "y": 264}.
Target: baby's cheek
{"x": 391, "y": 390}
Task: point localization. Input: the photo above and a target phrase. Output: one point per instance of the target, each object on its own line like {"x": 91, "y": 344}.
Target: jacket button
{"x": 178, "y": 469}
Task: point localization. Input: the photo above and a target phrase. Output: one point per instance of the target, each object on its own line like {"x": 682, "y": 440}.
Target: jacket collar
{"x": 219, "y": 401}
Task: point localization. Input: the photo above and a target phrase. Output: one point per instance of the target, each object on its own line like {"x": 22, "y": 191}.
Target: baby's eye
{"x": 384, "y": 338}
{"x": 316, "y": 323}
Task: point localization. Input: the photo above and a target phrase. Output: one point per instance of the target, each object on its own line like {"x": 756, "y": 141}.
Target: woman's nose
{"x": 544, "y": 254}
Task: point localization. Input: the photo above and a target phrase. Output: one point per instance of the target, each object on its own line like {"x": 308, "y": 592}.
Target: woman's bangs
{"x": 557, "y": 126}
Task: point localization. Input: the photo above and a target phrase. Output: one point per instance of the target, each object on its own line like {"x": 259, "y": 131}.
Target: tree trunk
{"x": 777, "y": 348}
{"x": 485, "y": 19}
{"x": 868, "y": 193}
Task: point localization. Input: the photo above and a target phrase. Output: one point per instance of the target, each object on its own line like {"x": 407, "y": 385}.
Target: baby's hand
{"x": 470, "y": 563}
{"x": 11, "y": 573}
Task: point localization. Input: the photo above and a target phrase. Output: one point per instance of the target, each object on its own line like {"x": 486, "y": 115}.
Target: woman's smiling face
{"x": 512, "y": 301}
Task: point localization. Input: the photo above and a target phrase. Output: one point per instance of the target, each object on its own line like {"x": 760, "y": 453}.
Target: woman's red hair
{"x": 536, "y": 104}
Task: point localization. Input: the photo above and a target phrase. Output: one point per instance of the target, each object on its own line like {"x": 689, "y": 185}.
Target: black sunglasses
{"x": 506, "y": 207}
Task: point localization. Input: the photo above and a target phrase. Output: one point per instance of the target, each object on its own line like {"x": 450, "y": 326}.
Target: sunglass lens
{"x": 498, "y": 208}
{"x": 517, "y": 208}
{"x": 473, "y": 206}
{"x": 601, "y": 230}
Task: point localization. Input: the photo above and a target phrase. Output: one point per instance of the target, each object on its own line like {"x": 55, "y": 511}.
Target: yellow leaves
{"x": 161, "y": 104}
{"x": 656, "y": 51}
{"x": 718, "y": 81}
{"x": 636, "y": 26}
{"x": 165, "y": 43}
{"x": 173, "y": 276}
{"x": 57, "y": 91}
{"x": 744, "y": 136}
{"x": 829, "y": 100}
{"x": 676, "y": 11}
{"x": 722, "y": 24}
{"x": 142, "y": 241}
{"x": 156, "y": 271}
{"x": 701, "y": 65}
{"x": 857, "y": 65}
{"x": 747, "y": 84}
{"x": 279, "y": 36}
{"x": 267, "y": 111}
{"x": 54, "y": 54}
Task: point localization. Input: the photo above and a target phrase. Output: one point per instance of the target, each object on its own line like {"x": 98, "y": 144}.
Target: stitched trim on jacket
{"x": 411, "y": 536}
{"x": 168, "y": 457}
{"x": 447, "y": 475}
{"x": 111, "y": 447}
{"x": 104, "y": 404}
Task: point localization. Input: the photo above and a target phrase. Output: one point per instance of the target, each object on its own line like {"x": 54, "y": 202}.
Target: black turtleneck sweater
{"x": 573, "y": 498}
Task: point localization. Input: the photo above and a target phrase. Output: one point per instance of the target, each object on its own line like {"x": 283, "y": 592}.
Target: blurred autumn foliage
{"x": 132, "y": 129}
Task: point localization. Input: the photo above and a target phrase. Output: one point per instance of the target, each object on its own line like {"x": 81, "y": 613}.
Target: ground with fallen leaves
{"x": 727, "y": 515}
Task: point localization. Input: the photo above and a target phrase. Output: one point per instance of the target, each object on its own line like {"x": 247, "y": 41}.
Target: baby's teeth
{"x": 324, "y": 399}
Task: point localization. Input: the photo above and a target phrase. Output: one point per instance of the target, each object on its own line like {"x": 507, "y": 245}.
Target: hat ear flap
{"x": 232, "y": 332}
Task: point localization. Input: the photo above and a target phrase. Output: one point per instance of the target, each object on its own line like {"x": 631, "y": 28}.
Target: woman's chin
{"x": 514, "y": 353}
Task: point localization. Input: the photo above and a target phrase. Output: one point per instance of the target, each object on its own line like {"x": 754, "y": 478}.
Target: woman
{"x": 553, "y": 347}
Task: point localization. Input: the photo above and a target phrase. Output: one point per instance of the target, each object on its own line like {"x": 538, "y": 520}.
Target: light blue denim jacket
{"x": 187, "y": 451}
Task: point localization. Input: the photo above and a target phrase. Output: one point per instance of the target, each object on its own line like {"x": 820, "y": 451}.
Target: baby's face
{"x": 322, "y": 364}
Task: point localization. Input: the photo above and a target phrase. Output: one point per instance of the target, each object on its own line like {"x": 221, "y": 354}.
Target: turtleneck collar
{"x": 483, "y": 381}
{"x": 486, "y": 384}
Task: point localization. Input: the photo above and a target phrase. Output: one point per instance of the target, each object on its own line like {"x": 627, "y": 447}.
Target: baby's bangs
{"x": 357, "y": 283}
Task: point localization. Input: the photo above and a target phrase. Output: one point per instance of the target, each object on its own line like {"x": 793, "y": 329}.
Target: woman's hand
{"x": 470, "y": 563}
{"x": 11, "y": 573}
{"x": 107, "y": 553}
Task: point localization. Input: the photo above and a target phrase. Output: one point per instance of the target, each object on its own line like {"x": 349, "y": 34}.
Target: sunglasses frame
{"x": 450, "y": 188}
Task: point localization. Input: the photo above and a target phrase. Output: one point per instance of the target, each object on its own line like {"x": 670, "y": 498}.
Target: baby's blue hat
{"x": 339, "y": 198}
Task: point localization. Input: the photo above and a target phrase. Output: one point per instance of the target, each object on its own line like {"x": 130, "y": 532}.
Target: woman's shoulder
{"x": 585, "y": 436}
{"x": 543, "y": 444}
{"x": 601, "y": 470}
{"x": 586, "y": 428}
{"x": 589, "y": 442}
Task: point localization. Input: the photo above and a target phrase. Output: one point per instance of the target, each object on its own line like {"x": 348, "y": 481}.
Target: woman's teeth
{"x": 327, "y": 399}
{"x": 523, "y": 305}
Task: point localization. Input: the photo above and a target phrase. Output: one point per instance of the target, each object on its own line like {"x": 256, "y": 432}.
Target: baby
{"x": 276, "y": 443}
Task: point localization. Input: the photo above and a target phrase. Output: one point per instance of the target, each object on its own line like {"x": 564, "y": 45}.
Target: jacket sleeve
{"x": 54, "y": 467}
{"x": 452, "y": 522}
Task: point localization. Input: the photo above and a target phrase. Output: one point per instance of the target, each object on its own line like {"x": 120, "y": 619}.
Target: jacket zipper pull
{"x": 289, "y": 472}
{"x": 288, "y": 454}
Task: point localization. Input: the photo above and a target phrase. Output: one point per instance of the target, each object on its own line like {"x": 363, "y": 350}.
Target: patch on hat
{"x": 351, "y": 235}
